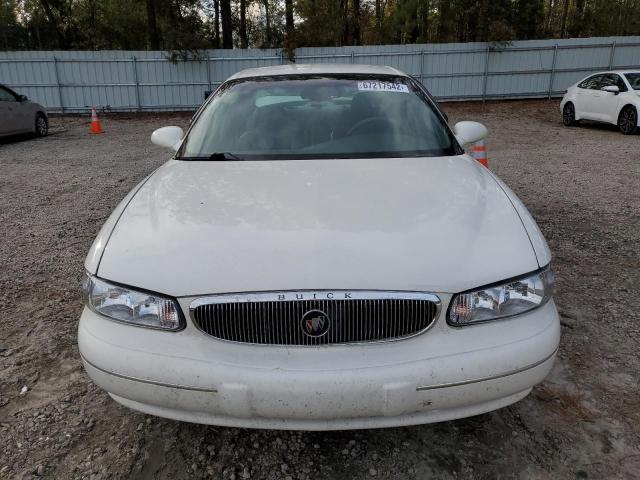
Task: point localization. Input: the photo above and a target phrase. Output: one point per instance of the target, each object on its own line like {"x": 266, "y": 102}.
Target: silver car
{"x": 20, "y": 115}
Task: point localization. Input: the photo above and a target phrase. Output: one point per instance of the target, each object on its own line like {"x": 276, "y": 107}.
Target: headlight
{"x": 503, "y": 300}
{"x": 130, "y": 306}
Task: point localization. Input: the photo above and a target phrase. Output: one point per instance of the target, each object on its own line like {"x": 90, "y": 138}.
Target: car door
{"x": 7, "y": 118}
{"x": 18, "y": 115}
{"x": 585, "y": 97}
{"x": 24, "y": 113}
{"x": 607, "y": 104}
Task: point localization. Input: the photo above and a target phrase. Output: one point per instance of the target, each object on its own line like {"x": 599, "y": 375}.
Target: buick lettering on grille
{"x": 321, "y": 317}
{"x": 315, "y": 296}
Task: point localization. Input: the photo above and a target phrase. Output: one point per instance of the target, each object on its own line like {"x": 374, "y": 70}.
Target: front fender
{"x": 92, "y": 261}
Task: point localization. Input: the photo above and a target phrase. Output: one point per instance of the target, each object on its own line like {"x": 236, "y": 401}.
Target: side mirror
{"x": 168, "y": 137}
{"x": 612, "y": 88}
{"x": 22, "y": 98}
{"x": 469, "y": 132}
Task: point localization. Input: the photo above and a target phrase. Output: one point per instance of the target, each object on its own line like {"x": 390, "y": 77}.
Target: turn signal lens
{"x": 130, "y": 306}
{"x": 503, "y": 300}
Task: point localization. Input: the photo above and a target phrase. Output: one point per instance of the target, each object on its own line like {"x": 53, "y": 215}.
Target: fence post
{"x": 281, "y": 57}
{"x": 612, "y": 54}
{"x": 208, "y": 64}
{"x": 353, "y": 57}
{"x": 422, "y": 67}
{"x": 486, "y": 74}
{"x": 55, "y": 70}
{"x": 553, "y": 70}
{"x": 135, "y": 79}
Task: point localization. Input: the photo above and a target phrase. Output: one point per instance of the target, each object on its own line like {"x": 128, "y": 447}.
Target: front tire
{"x": 628, "y": 120}
{"x": 42, "y": 125}
{"x": 569, "y": 115}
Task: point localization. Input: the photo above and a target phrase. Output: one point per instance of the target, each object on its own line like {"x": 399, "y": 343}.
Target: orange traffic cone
{"x": 95, "y": 123}
{"x": 480, "y": 153}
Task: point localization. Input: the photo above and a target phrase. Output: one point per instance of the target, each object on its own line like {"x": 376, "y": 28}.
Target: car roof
{"x": 317, "y": 69}
{"x": 613, "y": 71}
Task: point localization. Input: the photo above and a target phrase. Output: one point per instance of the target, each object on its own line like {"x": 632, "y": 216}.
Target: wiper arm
{"x": 222, "y": 156}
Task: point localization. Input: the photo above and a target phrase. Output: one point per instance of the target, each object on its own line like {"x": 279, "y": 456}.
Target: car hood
{"x": 427, "y": 224}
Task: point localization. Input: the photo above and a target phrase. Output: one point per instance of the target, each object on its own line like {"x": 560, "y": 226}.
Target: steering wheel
{"x": 382, "y": 122}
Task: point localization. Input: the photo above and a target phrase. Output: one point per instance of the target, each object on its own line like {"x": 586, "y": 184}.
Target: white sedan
{"x": 609, "y": 97}
{"x": 320, "y": 253}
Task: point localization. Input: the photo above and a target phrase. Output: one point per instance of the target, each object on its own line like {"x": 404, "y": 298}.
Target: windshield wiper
{"x": 222, "y": 156}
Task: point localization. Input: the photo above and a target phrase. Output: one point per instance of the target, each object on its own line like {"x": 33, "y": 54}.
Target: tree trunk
{"x": 379, "y": 21}
{"x": 444, "y": 21}
{"x": 424, "y": 21}
{"x": 565, "y": 13}
{"x": 92, "y": 23}
{"x": 244, "y": 40}
{"x": 267, "y": 36}
{"x": 461, "y": 29}
{"x": 152, "y": 25}
{"x": 38, "y": 39}
{"x": 484, "y": 18}
{"x": 216, "y": 23}
{"x": 357, "y": 40}
{"x": 290, "y": 41}
{"x": 548, "y": 15}
{"x": 578, "y": 17}
{"x": 227, "y": 32}
{"x": 344, "y": 23}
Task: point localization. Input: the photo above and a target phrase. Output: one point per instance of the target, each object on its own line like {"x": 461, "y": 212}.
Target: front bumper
{"x": 443, "y": 374}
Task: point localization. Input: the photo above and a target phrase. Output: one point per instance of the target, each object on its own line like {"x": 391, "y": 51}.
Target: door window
{"x": 634, "y": 80}
{"x": 613, "y": 80}
{"x": 591, "y": 83}
{"x": 6, "y": 96}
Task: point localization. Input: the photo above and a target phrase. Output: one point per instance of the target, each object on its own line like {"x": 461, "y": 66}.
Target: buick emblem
{"x": 315, "y": 323}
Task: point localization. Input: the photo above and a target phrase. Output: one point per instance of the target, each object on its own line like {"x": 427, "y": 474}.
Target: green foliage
{"x": 185, "y": 27}
{"x": 10, "y": 28}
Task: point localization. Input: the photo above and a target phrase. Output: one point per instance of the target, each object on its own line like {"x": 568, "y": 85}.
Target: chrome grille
{"x": 301, "y": 318}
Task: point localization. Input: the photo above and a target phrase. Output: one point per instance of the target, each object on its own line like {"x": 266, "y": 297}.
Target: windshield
{"x": 302, "y": 117}
{"x": 634, "y": 80}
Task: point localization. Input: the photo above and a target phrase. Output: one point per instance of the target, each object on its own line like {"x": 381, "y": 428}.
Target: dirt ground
{"x": 581, "y": 184}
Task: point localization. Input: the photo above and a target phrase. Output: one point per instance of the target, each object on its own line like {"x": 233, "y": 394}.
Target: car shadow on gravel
{"x": 17, "y": 139}
{"x": 597, "y": 126}
{"x": 25, "y": 137}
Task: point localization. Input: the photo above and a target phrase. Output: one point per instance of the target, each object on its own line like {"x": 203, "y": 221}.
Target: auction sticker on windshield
{"x": 379, "y": 86}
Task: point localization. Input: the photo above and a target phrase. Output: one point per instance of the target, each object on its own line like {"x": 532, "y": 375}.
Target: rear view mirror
{"x": 612, "y": 88}
{"x": 168, "y": 137}
{"x": 22, "y": 98}
{"x": 469, "y": 132}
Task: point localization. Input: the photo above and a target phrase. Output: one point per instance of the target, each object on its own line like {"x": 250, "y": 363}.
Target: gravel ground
{"x": 581, "y": 184}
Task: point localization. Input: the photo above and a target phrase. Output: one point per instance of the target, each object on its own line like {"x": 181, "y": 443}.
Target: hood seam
{"x": 115, "y": 224}
{"x": 524, "y": 227}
